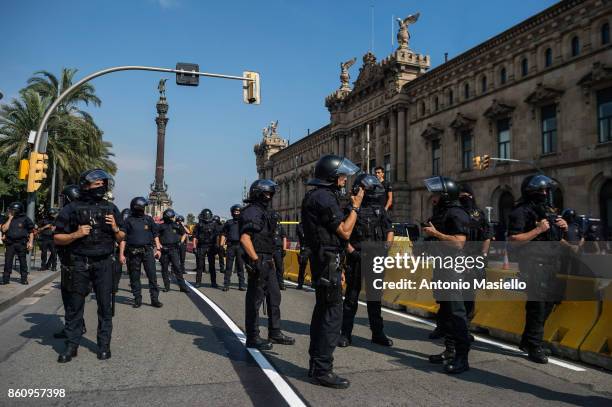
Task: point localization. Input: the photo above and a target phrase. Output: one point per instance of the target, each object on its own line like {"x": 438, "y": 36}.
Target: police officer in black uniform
{"x": 326, "y": 230}
{"x": 280, "y": 242}
{"x": 303, "y": 256}
{"x": 450, "y": 225}
{"x": 230, "y": 235}
{"x": 170, "y": 235}
{"x": 204, "y": 242}
{"x": 18, "y": 232}
{"x": 70, "y": 193}
{"x": 180, "y": 220}
{"x": 142, "y": 246}
{"x": 257, "y": 240}
{"x": 45, "y": 241}
{"x": 535, "y": 220}
{"x": 219, "y": 249}
{"x": 89, "y": 227}
{"x": 373, "y": 225}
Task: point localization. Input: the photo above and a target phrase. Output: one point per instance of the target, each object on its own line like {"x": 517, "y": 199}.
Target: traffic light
{"x": 250, "y": 89}
{"x": 476, "y": 162}
{"x": 24, "y": 167}
{"x": 38, "y": 170}
{"x": 486, "y": 161}
{"x": 186, "y": 79}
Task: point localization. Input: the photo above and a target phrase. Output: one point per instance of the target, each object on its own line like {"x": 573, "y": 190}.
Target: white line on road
{"x": 281, "y": 385}
{"x": 501, "y": 345}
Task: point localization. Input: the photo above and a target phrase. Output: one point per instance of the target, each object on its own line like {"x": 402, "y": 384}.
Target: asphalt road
{"x": 186, "y": 354}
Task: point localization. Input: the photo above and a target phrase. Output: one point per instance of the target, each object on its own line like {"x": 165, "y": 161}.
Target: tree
{"x": 191, "y": 219}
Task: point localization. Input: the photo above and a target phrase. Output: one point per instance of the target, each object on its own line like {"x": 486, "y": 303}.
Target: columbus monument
{"x": 159, "y": 200}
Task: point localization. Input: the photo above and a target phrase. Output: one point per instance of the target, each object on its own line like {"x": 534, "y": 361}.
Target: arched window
{"x": 466, "y": 91}
{"x": 422, "y": 108}
{"x": 524, "y": 67}
{"x": 503, "y": 76}
{"x": 605, "y": 34}
{"x": 548, "y": 57}
{"x": 436, "y": 103}
{"x": 483, "y": 84}
{"x": 575, "y": 46}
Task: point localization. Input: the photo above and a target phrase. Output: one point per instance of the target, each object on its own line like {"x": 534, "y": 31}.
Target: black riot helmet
{"x": 206, "y": 215}
{"x": 235, "y": 211}
{"x": 180, "y": 218}
{"x": 533, "y": 185}
{"x": 262, "y": 190}
{"x": 53, "y": 212}
{"x": 372, "y": 187}
{"x": 446, "y": 187}
{"x": 216, "y": 219}
{"x": 125, "y": 214}
{"x": 138, "y": 204}
{"x": 16, "y": 208}
{"x": 168, "y": 215}
{"x": 329, "y": 168}
{"x": 569, "y": 215}
{"x": 94, "y": 175}
{"x": 71, "y": 192}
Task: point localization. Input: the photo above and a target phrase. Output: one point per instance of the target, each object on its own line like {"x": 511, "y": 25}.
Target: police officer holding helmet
{"x": 230, "y": 235}
{"x": 18, "y": 232}
{"x": 373, "y": 225}
{"x": 170, "y": 236}
{"x": 326, "y": 230}
{"x": 257, "y": 239}
{"x": 142, "y": 247}
{"x": 535, "y": 220}
{"x": 89, "y": 227}
{"x": 449, "y": 225}
{"x": 204, "y": 241}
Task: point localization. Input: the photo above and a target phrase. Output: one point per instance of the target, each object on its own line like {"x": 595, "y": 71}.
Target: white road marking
{"x": 501, "y": 345}
{"x": 277, "y": 380}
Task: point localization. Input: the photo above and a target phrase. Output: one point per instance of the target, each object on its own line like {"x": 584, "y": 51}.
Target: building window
{"x": 435, "y": 157}
{"x": 387, "y": 167}
{"x": 450, "y": 97}
{"x": 503, "y": 138}
{"x": 503, "y": 76}
{"x": 549, "y": 129}
{"x": 437, "y": 103}
{"x": 422, "y": 108}
{"x": 483, "y": 84}
{"x": 604, "y": 114}
{"x": 524, "y": 67}
{"x": 575, "y": 46}
{"x": 605, "y": 34}
{"x": 466, "y": 150}
{"x": 466, "y": 91}
{"x": 548, "y": 57}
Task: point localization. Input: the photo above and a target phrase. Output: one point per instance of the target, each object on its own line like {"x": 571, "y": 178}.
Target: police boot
{"x": 184, "y": 289}
{"x": 344, "y": 341}
{"x": 155, "y": 302}
{"x": 537, "y": 355}
{"x": 381, "y": 339}
{"x": 436, "y": 334}
{"x": 259, "y": 343}
{"x": 458, "y": 364}
{"x": 69, "y": 353}
{"x": 299, "y": 287}
{"x": 137, "y": 302}
{"x": 448, "y": 354}
{"x": 167, "y": 288}
{"x": 242, "y": 288}
{"x": 24, "y": 281}
{"x": 331, "y": 380}
{"x": 225, "y": 288}
{"x": 281, "y": 339}
{"x": 104, "y": 353}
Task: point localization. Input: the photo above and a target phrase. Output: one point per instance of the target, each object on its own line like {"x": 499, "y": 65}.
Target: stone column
{"x": 401, "y": 143}
{"x": 380, "y": 154}
{"x": 394, "y": 143}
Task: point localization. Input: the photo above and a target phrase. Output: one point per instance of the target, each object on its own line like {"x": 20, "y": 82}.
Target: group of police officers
{"x": 94, "y": 240}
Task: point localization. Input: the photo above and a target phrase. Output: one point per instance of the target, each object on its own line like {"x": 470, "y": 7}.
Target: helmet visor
{"x": 99, "y": 174}
{"x": 434, "y": 184}
{"x": 347, "y": 167}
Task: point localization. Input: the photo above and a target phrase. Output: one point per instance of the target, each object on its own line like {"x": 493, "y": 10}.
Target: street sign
{"x": 185, "y": 79}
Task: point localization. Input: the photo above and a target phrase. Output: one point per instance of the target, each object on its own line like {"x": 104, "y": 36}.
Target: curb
{"x": 28, "y": 292}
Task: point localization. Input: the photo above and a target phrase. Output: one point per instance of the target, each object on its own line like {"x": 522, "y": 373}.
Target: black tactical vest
{"x": 206, "y": 233}
{"x": 316, "y": 227}
{"x": 101, "y": 239}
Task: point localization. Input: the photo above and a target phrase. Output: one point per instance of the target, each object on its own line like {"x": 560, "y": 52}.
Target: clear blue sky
{"x": 296, "y": 45}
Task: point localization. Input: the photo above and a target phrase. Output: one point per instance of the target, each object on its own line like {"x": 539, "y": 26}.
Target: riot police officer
{"x": 18, "y": 232}
{"x": 303, "y": 256}
{"x": 280, "y": 243}
{"x": 449, "y": 224}
{"x": 170, "y": 236}
{"x": 373, "y": 225}
{"x": 45, "y": 241}
{"x": 219, "y": 249}
{"x": 70, "y": 193}
{"x": 204, "y": 242}
{"x": 142, "y": 247}
{"x": 257, "y": 240}
{"x": 326, "y": 229}
{"x": 180, "y": 220}
{"x": 535, "y": 220}
{"x": 230, "y": 235}
{"x": 89, "y": 227}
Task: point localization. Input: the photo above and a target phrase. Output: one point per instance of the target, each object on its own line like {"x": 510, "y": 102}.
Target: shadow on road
{"x": 42, "y": 330}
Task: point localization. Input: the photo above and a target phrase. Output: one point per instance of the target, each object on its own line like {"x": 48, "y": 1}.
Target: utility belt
{"x": 136, "y": 250}
{"x": 74, "y": 258}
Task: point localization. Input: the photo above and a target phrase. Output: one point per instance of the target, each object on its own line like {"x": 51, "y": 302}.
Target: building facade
{"x": 540, "y": 92}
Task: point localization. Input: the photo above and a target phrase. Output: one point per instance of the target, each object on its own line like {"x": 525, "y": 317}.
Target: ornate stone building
{"x": 540, "y": 92}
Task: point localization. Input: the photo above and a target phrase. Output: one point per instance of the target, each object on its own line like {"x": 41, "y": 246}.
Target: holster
{"x": 330, "y": 279}
{"x": 66, "y": 277}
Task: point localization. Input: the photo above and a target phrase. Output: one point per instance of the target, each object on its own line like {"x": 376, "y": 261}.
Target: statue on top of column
{"x": 344, "y": 74}
{"x": 162, "y": 87}
{"x": 403, "y": 36}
